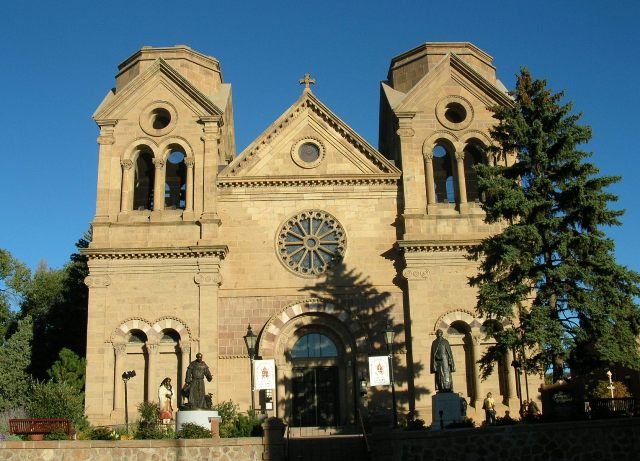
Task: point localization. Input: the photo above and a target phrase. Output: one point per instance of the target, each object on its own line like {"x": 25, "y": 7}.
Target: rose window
{"x": 310, "y": 242}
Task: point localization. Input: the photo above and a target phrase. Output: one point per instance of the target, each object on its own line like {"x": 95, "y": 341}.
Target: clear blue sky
{"x": 60, "y": 59}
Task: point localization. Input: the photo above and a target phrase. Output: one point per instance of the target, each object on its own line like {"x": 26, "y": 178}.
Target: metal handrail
{"x": 364, "y": 432}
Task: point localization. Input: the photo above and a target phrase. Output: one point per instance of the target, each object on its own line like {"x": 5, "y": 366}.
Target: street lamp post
{"x": 388, "y": 338}
{"x": 611, "y": 387}
{"x": 126, "y": 376}
{"x": 250, "y": 341}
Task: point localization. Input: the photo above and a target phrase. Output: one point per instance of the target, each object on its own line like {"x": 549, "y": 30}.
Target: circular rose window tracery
{"x": 310, "y": 242}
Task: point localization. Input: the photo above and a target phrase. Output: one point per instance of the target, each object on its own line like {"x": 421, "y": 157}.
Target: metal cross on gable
{"x": 307, "y": 80}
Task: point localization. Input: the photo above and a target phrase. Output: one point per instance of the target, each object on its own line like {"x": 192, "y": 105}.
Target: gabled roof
{"x": 495, "y": 92}
{"x": 379, "y": 168}
{"x": 114, "y": 100}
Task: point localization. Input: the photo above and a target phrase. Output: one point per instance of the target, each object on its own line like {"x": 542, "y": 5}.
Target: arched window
{"x": 144, "y": 180}
{"x": 443, "y": 177}
{"x": 314, "y": 345}
{"x": 472, "y": 156}
{"x": 136, "y": 337}
{"x": 175, "y": 185}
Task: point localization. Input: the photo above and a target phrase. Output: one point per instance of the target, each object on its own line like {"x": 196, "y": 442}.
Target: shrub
{"x": 465, "y": 422}
{"x": 57, "y": 400}
{"x": 193, "y": 431}
{"x": 236, "y": 424}
{"x": 103, "y": 433}
{"x": 58, "y": 435}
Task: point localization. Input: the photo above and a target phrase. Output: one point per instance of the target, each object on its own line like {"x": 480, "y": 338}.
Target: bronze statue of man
{"x": 196, "y": 372}
{"x": 442, "y": 363}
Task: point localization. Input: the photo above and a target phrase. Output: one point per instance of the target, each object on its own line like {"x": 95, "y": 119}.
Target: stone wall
{"x": 579, "y": 440}
{"x": 244, "y": 449}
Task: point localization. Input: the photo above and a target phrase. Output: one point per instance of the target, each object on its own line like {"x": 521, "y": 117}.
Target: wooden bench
{"x": 36, "y": 428}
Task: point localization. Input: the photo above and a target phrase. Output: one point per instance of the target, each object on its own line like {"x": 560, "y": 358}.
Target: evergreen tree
{"x": 69, "y": 369}
{"x": 552, "y": 271}
{"x": 15, "y": 355}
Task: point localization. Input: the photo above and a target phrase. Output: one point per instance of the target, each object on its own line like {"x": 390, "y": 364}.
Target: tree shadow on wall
{"x": 357, "y": 302}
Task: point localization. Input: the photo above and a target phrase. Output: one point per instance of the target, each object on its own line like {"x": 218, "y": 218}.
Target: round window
{"x": 158, "y": 118}
{"x": 455, "y": 112}
{"x": 309, "y": 152}
{"x": 311, "y": 242}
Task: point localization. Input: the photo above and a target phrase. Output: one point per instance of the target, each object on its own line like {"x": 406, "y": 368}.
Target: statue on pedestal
{"x": 442, "y": 363}
{"x": 194, "y": 384}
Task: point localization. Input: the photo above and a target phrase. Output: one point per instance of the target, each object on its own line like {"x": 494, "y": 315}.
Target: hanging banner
{"x": 264, "y": 374}
{"x": 379, "y": 371}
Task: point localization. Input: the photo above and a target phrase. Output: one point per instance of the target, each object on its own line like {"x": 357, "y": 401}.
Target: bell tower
{"x": 434, "y": 123}
{"x": 166, "y": 129}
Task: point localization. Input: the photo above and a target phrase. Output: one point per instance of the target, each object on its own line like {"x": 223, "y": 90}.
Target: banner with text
{"x": 264, "y": 374}
{"x": 379, "y": 371}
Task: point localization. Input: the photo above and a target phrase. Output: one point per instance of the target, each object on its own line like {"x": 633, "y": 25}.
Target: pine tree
{"x": 552, "y": 272}
{"x": 15, "y": 355}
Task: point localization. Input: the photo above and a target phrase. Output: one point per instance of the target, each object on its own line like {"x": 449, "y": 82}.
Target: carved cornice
{"x": 97, "y": 281}
{"x": 259, "y": 182}
{"x": 416, "y": 274}
{"x": 436, "y": 246}
{"x": 216, "y": 251}
{"x": 204, "y": 279}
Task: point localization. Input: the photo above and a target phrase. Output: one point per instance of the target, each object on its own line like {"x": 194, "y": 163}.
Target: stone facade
{"x": 310, "y": 235}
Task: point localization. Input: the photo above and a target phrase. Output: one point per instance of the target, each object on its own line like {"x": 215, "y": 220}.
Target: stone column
{"x": 125, "y": 190}
{"x": 460, "y": 178}
{"x": 476, "y": 342}
{"x": 189, "y": 163}
{"x": 413, "y": 178}
{"x": 106, "y": 139}
{"x": 158, "y": 186}
{"x": 431, "y": 186}
{"x": 209, "y": 221}
{"x": 120, "y": 351}
{"x": 152, "y": 381}
{"x": 100, "y": 366}
{"x": 512, "y": 386}
{"x": 208, "y": 281}
{"x": 185, "y": 359}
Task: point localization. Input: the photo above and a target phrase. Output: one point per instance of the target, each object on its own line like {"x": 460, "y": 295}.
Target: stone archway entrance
{"x": 316, "y": 379}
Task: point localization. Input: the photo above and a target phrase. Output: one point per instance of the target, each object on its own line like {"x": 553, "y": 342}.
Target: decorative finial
{"x": 306, "y": 81}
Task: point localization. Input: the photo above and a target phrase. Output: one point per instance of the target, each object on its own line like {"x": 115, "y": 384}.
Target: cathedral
{"x": 311, "y": 239}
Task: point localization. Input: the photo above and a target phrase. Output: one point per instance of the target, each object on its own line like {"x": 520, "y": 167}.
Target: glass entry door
{"x": 315, "y": 396}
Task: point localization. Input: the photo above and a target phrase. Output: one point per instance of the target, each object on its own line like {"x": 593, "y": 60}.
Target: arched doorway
{"x": 316, "y": 368}
{"x": 315, "y": 380}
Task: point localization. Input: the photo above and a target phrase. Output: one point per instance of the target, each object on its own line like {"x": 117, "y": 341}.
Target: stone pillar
{"x": 512, "y": 386}
{"x": 477, "y": 382}
{"x": 158, "y": 186}
{"x": 209, "y": 221}
{"x": 185, "y": 359}
{"x": 431, "y": 186}
{"x": 106, "y": 139}
{"x": 127, "y": 181}
{"x": 208, "y": 281}
{"x": 189, "y": 163}
{"x": 120, "y": 350}
{"x": 460, "y": 178}
{"x": 413, "y": 180}
{"x": 98, "y": 388}
{"x": 152, "y": 381}
{"x": 273, "y": 439}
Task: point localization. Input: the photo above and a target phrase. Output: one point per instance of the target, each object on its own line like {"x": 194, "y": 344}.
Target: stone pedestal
{"x": 200, "y": 417}
{"x": 449, "y": 404}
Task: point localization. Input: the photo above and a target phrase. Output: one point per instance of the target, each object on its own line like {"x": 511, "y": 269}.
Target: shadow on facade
{"x": 318, "y": 396}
